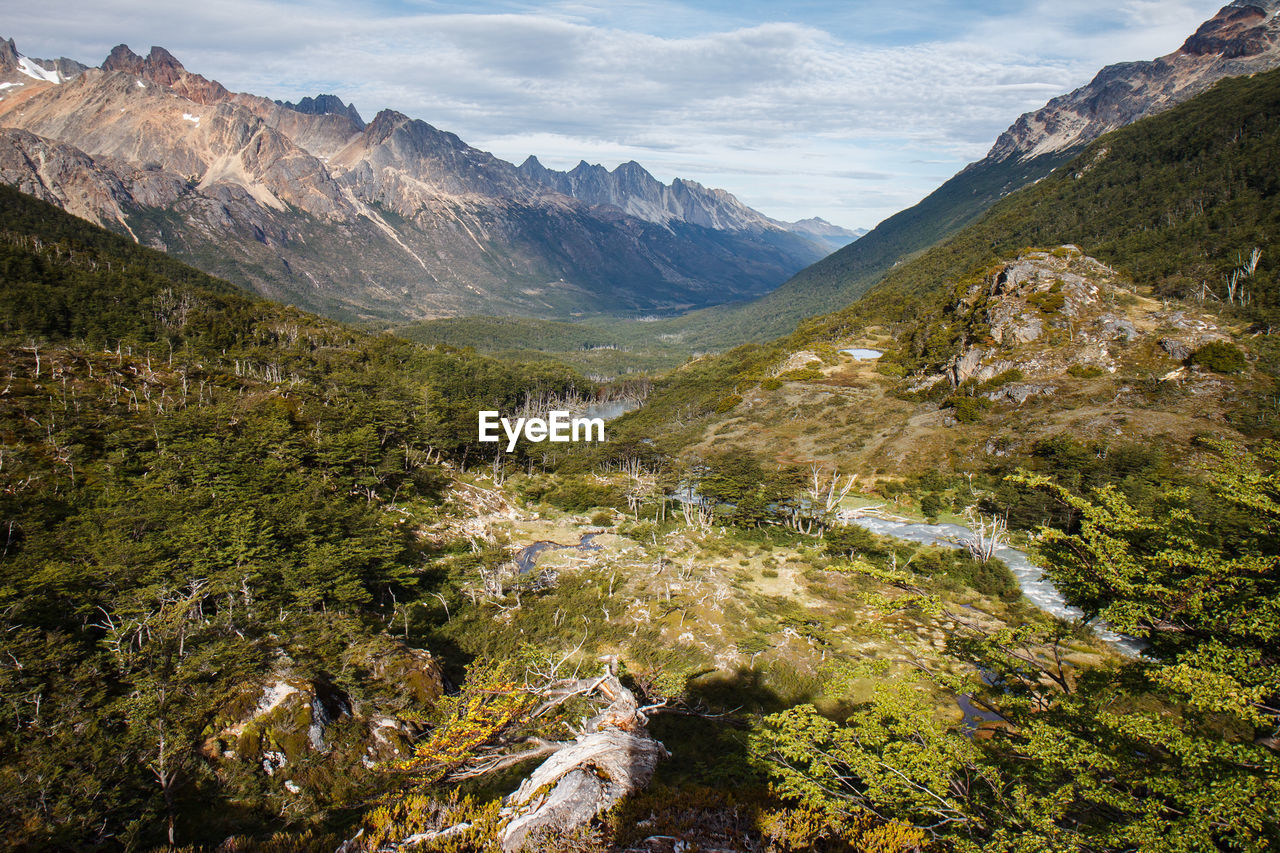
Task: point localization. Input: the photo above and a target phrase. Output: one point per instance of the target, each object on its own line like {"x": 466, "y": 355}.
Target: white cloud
{"x": 791, "y": 116}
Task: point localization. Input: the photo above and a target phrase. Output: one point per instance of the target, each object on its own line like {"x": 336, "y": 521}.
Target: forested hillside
{"x": 205, "y": 496}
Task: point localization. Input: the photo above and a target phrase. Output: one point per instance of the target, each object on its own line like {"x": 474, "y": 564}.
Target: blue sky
{"x": 846, "y": 110}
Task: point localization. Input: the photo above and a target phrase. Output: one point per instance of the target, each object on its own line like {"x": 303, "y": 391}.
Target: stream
{"x": 1038, "y": 589}
{"x": 1035, "y": 585}
{"x": 527, "y": 557}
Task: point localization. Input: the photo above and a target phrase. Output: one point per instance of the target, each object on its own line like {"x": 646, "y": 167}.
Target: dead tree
{"x": 613, "y": 757}
{"x": 697, "y": 514}
{"x": 986, "y": 535}
{"x": 825, "y": 494}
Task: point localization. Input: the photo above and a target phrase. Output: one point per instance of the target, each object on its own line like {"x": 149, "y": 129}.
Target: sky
{"x": 846, "y": 110}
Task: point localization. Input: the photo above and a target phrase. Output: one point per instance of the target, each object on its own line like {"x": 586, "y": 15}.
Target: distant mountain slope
{"x": 630, "y": 188}
{"x": 822, "y": 230}
{"x": 990, "y": 346}
{"x": 1243, "y": 38}
{"x": 1177, "y": 202}
{"x": 394, "y": 220}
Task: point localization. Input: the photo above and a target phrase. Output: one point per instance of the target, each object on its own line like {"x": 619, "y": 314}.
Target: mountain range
{"x": 396, "y": 220}
{"x": 1242, "y": 38}
{"x": 389, "y": 220}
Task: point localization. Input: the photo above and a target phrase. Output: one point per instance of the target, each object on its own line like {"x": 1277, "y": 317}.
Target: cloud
{"x": 796, "y": 116}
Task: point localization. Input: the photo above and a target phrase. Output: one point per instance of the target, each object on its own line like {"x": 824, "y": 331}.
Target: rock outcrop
{"x": 1049, "y": 315}
{"x": 288, "y": 718}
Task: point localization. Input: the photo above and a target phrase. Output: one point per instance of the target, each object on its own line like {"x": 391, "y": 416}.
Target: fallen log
{"x": 612, "y": 757}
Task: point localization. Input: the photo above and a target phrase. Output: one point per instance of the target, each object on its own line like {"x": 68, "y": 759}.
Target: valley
{"x": 959, "y": 535}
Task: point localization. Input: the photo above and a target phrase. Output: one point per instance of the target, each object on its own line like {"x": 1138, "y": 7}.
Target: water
{"x": 860, "y": 354}
{"x": 1035, "y": 585}
{"x": 610, "y": 410}
{"x": 975, "y": 716}
{"x": 527, "y": 557}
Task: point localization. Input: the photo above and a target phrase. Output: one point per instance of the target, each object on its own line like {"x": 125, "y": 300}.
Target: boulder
{"x": 1113, "y": 328}
{"x": 1180, "y": 349}
{"x": 965, "y": 365}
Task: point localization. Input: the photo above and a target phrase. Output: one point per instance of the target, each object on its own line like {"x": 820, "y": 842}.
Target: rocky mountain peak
{"x": 48, "y": 70}
{"x": 8, "y": 55}
{"x": 322, "y": 105}
{"x": 398, "y": 220}
{"x": 1242, "y": 38}
{"x": 162, "y": 67}
{"x": 1237, "y": 31}
{"x": 383, "y": 125}
{"x": 122, "y": 58}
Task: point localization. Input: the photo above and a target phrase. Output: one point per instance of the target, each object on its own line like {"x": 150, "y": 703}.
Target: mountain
{"x": 1144, "y": 320}
{"x": 1184, "y": 203}
{"x": 393, "y": 220}
{"x": 325, "y": 105}
{"x": 820, "y": 229}
{"x": 50, "y": 70}
{"x": 1243, "y": 38}
{"x": 631, "y": 189}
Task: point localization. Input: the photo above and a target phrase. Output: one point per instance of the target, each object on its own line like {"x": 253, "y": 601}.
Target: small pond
{"x": 860, "y": 354}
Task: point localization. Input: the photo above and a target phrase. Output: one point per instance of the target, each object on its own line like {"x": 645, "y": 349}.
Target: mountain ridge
{"x": 1242, "y": 38}
{"x": 390, "y": 220}
{"x": 631, "y": 188}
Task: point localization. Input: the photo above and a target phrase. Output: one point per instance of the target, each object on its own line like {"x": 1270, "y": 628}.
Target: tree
{"x": 1175, "y": 751}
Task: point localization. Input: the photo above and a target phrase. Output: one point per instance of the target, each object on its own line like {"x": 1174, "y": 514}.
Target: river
{"x": 1035, "y": 585}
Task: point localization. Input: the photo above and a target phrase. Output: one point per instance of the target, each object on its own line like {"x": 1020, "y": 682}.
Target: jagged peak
{"x": 686, "y": 184}
{"x": 162, "y": 67}
{"x": 8, "y": 54}
{"x": 159, "y": 57}
{"x": 1238, "y": 29}
{"x": 386, "y": 122}
{"x": 325, "y": 105}
{"x": 122, "y": 58}
{"x": 48, "y": 70}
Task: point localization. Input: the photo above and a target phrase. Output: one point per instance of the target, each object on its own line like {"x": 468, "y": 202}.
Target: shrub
{"x": 805, "y": 374}
{"x": 727, "y": 403}
{"x": 1085, "y": 371}
{"x": 1050, "y": 302}
{"x": 773, "y": 383}
{"x": 968, "y": 409}
{"x": 1013, "y": 374}
{"x": 577, "y": 494}
{"x": 1220, "y": 357}
{"x": 931, "y": 505}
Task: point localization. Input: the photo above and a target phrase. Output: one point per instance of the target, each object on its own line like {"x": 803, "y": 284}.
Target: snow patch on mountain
{"x": 31, "y": 69}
